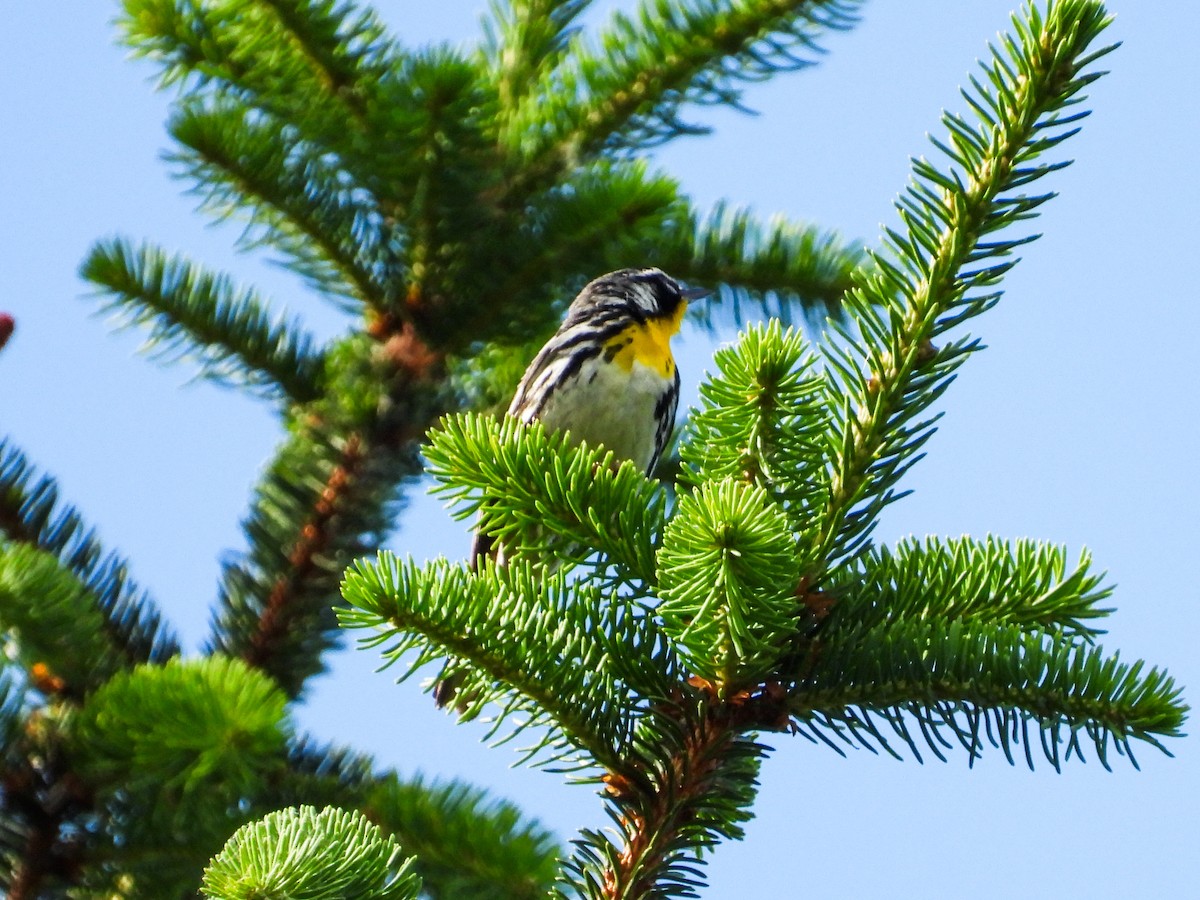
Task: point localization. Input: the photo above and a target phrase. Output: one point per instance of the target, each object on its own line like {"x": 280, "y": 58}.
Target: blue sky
{"x": 1078, "y": 424}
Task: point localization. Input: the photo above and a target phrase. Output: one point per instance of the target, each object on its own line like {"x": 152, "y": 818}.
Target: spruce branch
{"x": 761, "y": 420}
{"x": 315, "y": 512}
{"x": 276, "y": 611}
{"x": 602, "y": 217}
{"x": 61, "y": 632}
{"x": 324, "y": 855}
{"x": 189, "y": 730}
{"x": 610, "y": 213}
{"x": 1024, "y": 583}
{"x": 727, "y": 570}
{"x": 189, "y": 39}
{"x": 343, "y": 110}
{"x": 321, "y": 774}
{"x": 328, "y": 497}
{"x": 777, "y": 263}
{"x": 191, "y": 312}
{"x": 683, "y": 794}
{"x": 343, "y": 46}
{"x": 301, "y": 202}
{"x": 332, "y": 83}
{"x": 466, "y": 843}
{"x": 522, "y": 639}
{"x": 330, "y": 57}
{"x": 944, "y": 272}
{"x": 455, "y": 233}
{"x": 958, "y": 681}
{"x": 524, "y": 39}
{"x": 530, "y": 487}
{"x": 30, "y": 514}
{"x": 639, "y": 75}
{"x": 174, "y": 757}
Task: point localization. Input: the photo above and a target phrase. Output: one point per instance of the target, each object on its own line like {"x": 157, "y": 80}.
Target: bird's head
{"x": 644, "y": 294}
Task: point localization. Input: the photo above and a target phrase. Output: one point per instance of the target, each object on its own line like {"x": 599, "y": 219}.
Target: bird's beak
{"x": 695, "y": 293}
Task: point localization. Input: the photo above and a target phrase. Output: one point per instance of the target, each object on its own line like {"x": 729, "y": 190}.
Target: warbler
{"x": 607, "y": 376}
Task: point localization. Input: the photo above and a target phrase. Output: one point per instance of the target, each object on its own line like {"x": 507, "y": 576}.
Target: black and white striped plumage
{"x": 607, "y": 375}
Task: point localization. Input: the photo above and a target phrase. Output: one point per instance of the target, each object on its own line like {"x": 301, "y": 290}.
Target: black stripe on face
{"x": 656, "y": 292}
{"x": 601, "y": 314}
{"x": 640, "y": 294}
{"x": 600, "y": 331}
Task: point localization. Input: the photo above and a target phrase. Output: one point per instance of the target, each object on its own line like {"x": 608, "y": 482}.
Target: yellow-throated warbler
{"x": 607, "y": 376}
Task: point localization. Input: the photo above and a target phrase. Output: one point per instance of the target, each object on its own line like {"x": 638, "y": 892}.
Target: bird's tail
{"x": 481, "y": 547}
{"x": 445, "y": 689}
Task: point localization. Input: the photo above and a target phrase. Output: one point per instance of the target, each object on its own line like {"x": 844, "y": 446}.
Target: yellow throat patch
{"x": 648, "y": 343}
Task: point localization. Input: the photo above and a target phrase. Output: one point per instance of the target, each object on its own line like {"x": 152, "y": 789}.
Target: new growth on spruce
{"x": 644, "y": 636}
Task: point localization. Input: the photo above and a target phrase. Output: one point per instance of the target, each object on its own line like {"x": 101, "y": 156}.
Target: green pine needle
{"x": 523, "y": 40}
{"x": 538, "y": 494}
{"x": 1026, "y": 583}
{"x": 727, "y": 576}
{"x": 466, "y": 843}
{"x": 193, "y": 313}
{"x": 957, "y": 682}
{"x": 56, "y": 621}
{"x": 329, "y": 55}
{"x": 316, "y": 462}
{"x": 202, "y": 731}
{"x": 544, "y": 652}
{"x": 627, "y": 88}
{"x": 298, "y": 199}
{"x": 945, "y": 269}
{"x": 761, "y": 420}
{"x": 30, "y": 514}
{"x": 309, "y": 854}
{"x": 777, "y": 264}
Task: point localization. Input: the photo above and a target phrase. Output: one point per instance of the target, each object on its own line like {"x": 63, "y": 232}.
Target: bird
{"x": 607, "y": 376}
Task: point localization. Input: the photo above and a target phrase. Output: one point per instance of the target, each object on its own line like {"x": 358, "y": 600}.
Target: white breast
{"x": 603, "y": 404}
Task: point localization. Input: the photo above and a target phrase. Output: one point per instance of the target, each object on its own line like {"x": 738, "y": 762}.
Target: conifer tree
{"x": 650, "y": 631}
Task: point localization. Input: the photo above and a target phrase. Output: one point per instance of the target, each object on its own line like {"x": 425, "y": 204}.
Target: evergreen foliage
{"x": 543, "y": 474}
{"x": 643, "y": 635}
{"x": 310, "y": 854}
{"x": 189, "y": 310}
{"x": 32, "y": 516}
{"x": 178, "y": 755}
{"x": 726, "y": 571}
{"x": 464, "y": 842}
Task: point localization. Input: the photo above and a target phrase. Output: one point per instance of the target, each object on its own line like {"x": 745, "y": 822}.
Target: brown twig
{"x": 414, "y": 365}
{"x": 652, "y": 824}
{"x": 657, "y": 809}
{"x": 314, "y": 536}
